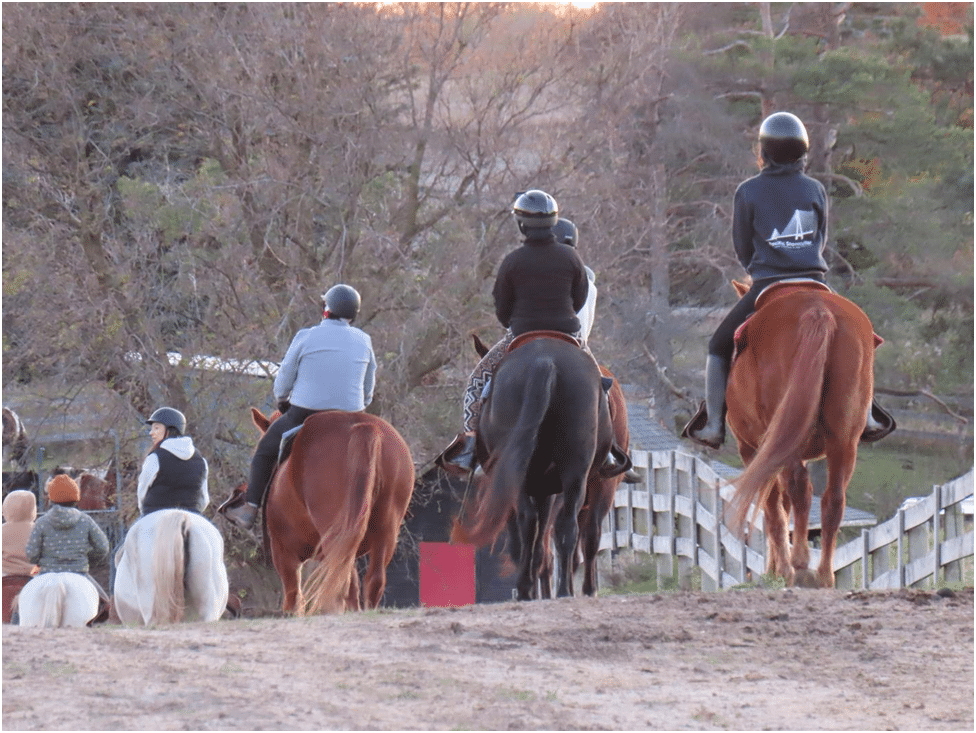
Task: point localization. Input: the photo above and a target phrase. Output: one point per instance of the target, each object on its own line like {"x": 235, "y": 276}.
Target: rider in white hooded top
{"x": 174, "y": 474}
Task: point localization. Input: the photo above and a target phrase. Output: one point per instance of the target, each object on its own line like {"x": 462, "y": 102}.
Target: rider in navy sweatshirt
{"x": 779, "y": 230}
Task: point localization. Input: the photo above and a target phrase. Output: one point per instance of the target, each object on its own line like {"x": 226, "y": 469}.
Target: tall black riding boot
{"x": 712, "y": 433}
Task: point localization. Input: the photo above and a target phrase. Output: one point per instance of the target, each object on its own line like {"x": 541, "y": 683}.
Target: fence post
{"x": 719, "y": 554}
{"x": 901, "y": 548}
{"x": 936, "y": 535}
{"x": 865, "y": 559}
{"x": 954, "y": 525}
{"x": 665, "y": 563}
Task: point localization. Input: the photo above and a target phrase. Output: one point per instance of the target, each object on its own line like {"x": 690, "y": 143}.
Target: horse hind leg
{"x": 799, "y": 493}
{"x": 289, "y": 569}
{"x": 776, "y": 527}
{"x": 840, "y": 468}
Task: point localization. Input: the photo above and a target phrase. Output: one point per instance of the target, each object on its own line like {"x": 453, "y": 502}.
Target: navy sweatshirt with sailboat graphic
{"x": 779, "y": 223}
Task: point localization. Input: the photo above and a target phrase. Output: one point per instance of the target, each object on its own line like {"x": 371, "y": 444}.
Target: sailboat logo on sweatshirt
{"x": 798, "y": 233}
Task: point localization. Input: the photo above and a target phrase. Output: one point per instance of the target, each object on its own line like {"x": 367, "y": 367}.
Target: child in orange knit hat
{"x": 64, "y": 539}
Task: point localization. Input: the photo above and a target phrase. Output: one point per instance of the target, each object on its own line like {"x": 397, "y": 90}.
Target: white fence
{"x": 677, "y": 516}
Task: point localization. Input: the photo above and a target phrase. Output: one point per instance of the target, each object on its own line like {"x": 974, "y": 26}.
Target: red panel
{"x": 446, "y": 574}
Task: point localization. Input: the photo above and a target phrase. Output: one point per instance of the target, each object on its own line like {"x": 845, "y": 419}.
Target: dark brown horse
{"x": 799, "y": 389}
{"x": 600, "y": 492}
{"x": 341, "y": 494}
{"x": 543, "y": 427}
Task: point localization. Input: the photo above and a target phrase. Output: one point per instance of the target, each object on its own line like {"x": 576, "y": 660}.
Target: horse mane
{"x": 794, "y": 416}
{"x": 328, "y": 584}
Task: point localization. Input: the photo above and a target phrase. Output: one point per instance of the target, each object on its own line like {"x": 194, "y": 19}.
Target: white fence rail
{"x": 677, "y": 516}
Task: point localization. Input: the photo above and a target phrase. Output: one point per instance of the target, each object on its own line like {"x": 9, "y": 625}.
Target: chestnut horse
{"x": 543, "y": 428}
{"x": 799, "y": 389}
{"x": 97, "y": 486}
{"x": 340, "y": 494}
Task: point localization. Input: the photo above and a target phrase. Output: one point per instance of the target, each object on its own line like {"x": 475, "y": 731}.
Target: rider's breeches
{"x": 266, "y": 454}
{"x": 482, "y": 374}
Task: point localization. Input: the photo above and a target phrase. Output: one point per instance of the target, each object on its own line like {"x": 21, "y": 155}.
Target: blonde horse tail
{"x": 169, "y": 568}
{"x": 794, "y": 417}
{"x": 53, "y": 601}
{"x": 328, "y": 585}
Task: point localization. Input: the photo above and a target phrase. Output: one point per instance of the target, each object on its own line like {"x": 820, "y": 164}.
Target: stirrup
{"x": 886, "y": 424}
{"x": 697, "y": 423}
{"x": 617, "y": 462}
{"x": 459, "y": 457}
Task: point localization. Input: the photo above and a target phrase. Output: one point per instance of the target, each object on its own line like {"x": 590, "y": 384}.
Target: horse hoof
{"x": 804, "y": 578}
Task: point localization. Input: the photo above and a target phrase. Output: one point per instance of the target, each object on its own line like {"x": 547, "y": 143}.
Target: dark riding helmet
{"x": 342, "y": 301}
{"x": 566, "y": 232}
{"x": 535, "y": 210}
{"x": 169, "y": 417}
{"x": 783, "y": 138}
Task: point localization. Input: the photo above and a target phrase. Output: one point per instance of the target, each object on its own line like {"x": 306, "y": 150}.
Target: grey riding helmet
{"x": 566, "y": 232}
{"x": 169, "y": 417}
{"x": 342, "y": 301}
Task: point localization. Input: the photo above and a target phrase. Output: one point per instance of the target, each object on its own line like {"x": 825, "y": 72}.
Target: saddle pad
{"x": 533, "y": 335}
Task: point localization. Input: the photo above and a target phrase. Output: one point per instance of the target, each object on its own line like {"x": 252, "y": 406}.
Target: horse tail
{"x": 52, "y": 607}
{"x": 328, "y": 584}
{"x": 506, "y": 473}
{"x": 793, "y": 420}
{"x": 169, "y": 567}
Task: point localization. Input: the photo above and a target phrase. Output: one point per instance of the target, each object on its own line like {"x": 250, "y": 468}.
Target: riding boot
{"x": 880, "y": 423}
{"x": 710, "y": 432}
{"x": 242, "y": 516}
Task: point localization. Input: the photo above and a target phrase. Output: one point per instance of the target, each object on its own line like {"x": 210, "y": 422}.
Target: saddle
{"x": 533, "y": 335}
{"x": 770, "y": 295}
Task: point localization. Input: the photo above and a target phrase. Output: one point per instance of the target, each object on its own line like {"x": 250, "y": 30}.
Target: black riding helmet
{"x": 566, "y": 232}
{"x": 169, "y": 417}
{"x": 783, "y": 138}
{"x": 342, "y": 301}
{"x": 536, "y": 213}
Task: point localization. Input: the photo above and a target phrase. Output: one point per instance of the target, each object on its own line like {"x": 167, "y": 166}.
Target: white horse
{"x": 54, "y": 600}
{"x": 170, "y": 569}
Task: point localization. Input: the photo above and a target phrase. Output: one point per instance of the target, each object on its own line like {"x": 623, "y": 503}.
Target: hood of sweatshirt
{"x": 63, "y": 517}
{"x": 181, "y": 447}
{"x": 20, "y": 506}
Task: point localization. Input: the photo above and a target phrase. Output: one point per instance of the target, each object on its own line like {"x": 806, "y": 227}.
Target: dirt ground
{"x": 755, "y": 659}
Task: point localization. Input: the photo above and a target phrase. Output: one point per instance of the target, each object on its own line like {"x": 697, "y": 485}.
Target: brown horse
{"x": 342, "y": 493}
{"x": 600, "y": 493}
{"x": 97, "y": 486}
{"x": 799, "y": 389}
{"x": 543, "y": 427}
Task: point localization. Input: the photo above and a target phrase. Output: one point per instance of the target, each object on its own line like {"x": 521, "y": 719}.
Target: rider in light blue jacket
{"x": 330, "y": 366}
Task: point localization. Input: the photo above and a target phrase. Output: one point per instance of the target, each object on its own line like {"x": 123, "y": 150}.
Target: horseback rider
{"x": 174, "y": 474}
{"x": 541, "y": 286}
{"x": 779, "y": 230}
{"x": 330, "y": 366}
{"x": 65, "y": 539}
